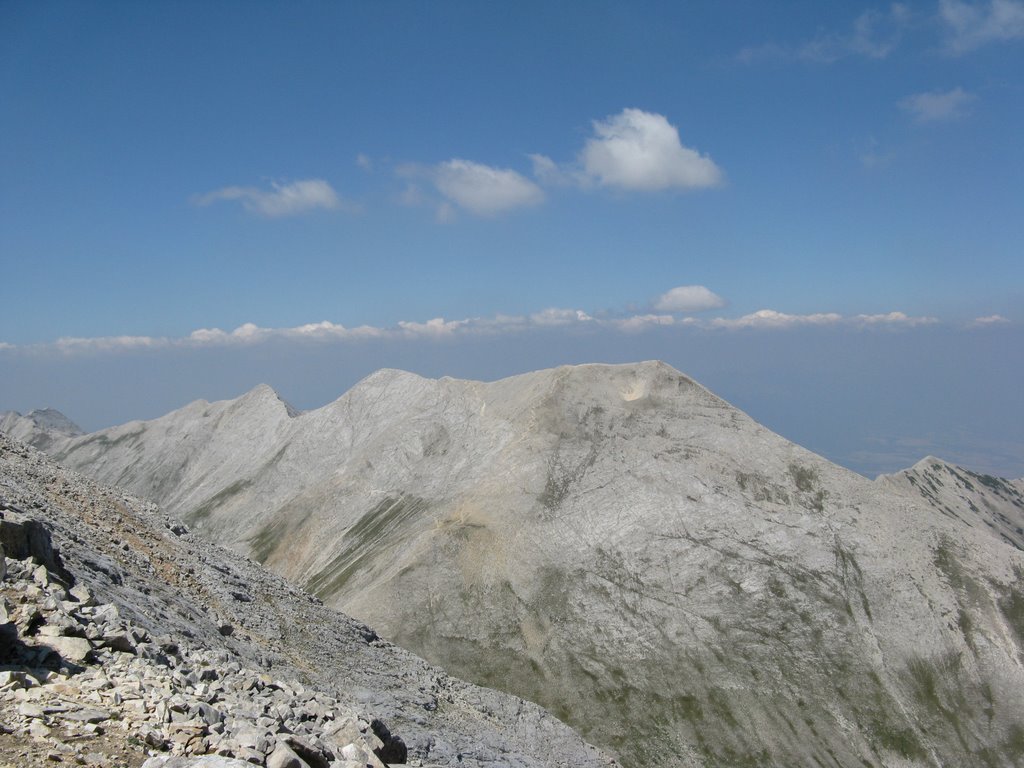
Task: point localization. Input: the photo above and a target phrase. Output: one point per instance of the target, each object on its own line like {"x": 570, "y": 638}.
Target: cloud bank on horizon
{"x": 674, "y": 308}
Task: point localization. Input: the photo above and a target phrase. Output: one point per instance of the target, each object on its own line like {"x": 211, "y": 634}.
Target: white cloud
{"x": 106, "y": 343}
{"x": 364, "y": 162}
{"x": 484, "y": 190}
{"x": 282, "y": 199}
{"x": 547, "y": 171}
{"x": 435, "y": 328}
{"x": 639, "y": 150}
{"x": 688, "y": 298}
{"x": 551, "y": 319}
{"x": 937, "y": 105}
{"x": 640, "y": 323}
{"x": 553, "y": 316}
{"x": 412, "y": 196}
{"x": 769, "y": 318}
{"x": 245, "y": 333}
{"x": 874, "y": 35}
{"x": 324, "y": 328}
{"x": 988, "y": 321}
{"x": 250, "y": 333}
{"x": 893, "y": 318}
{"x": 633, "y": 150}
{"x": 971, "y": 25}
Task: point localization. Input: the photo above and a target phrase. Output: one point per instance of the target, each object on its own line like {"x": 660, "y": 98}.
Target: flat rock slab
{"x": 76, "y": 649}
{"x": 206, "y": 761}
{"x": 89, "y": 715}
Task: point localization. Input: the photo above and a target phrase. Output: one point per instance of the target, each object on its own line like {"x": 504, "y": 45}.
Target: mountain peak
{"x": 266, "y": 394}
{"x": 49, "y": 419}
{"x": 42, "y": 428}
{"x": 974, "y": 498}
{"x": 54, "y": 420}
{"x": 389, "y": 375}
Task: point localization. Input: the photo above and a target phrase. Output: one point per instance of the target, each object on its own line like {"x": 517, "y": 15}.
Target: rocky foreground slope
{"x": 138, "y": 637}
{"x": 617, "y": 543}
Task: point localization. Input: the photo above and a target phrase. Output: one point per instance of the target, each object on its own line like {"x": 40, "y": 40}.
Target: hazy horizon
{"x": 889, "y": 400}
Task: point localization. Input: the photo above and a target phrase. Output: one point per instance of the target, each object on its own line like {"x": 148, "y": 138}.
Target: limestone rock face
{"x": 617, "y": 543}
{"x": 130, "y": 637}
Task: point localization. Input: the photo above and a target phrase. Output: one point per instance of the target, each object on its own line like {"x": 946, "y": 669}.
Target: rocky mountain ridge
{"x": 975, "y": 499}
{"x": 619, "y": 544}
{"x": 134, "y": 625}
{"x": 44, "y": 428}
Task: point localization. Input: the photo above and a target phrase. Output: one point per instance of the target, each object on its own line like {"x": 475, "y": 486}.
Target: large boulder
{"x": 22, "y": 537}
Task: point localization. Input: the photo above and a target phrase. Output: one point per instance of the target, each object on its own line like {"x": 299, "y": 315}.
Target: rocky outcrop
{"x": 183, "y": 648}
{"x": 23, "y": 537}
{"x": 621, "y": 545}
{"x": 78, "y": 669}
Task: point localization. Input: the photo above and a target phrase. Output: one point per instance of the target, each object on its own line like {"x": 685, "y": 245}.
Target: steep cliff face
{"x": 617, "y": 543}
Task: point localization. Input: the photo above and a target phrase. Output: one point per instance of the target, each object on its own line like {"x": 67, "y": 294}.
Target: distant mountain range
{"x": 45, "y": 429}
{"x": 677, "y": 582}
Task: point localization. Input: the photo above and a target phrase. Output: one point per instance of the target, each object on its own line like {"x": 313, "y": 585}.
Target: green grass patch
{"x": 803, "y": 477}
{"x": 364, "y": 541}
{"x": 204, "y": 510}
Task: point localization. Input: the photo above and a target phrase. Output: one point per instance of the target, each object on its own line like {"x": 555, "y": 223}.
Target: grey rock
{"x": 88, "y": 715}
{"x": 120, "y": 641}
{"x": 359, "y": 754}
{"x": 82, "y": 594}
{"x": 309, "y": 754}
{"x": 23, "y": 537}
{"x": 13, "y": 679}
{"x": 28, "y": 709}
{"x": 106, "y": 614}
{"x": 75, "y": 649}
{"x": 284, "y": 757}
{"x": 209, "y": 714}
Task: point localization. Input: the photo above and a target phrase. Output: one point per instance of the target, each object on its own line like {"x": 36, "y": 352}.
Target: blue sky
{"x": 341, "y": 185}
